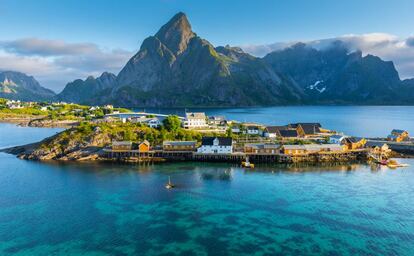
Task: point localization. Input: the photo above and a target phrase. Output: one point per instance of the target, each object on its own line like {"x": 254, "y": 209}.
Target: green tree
{"x": 172, "y": 123}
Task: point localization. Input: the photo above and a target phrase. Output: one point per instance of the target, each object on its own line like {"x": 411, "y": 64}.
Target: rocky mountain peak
{"x": 176, "y": 33}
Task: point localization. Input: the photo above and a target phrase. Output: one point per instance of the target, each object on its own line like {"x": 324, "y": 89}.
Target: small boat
{"x": 395, "y": 164}
{"x": 247, "y": 164}
{"x": 169, "y": 185}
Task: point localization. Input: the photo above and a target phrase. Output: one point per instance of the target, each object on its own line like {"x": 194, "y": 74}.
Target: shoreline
{"x": 39, "y": 122}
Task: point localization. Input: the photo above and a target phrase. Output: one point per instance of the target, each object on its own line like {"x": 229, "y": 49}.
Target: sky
{"x": 59, "y": 41}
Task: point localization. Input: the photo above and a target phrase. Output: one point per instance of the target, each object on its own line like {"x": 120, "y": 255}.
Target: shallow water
{"x": 216, "y": 209}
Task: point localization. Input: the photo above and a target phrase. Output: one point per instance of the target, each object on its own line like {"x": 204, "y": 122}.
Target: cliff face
{"x": 335, "y": 75}
{"x": 177, "y": 68}
{"x": 19, "y": 86}
{"x": 85, "y": 91}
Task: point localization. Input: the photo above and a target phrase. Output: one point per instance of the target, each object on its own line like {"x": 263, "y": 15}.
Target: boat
{"x": 247, "y": 164}
{"x": 394, "y": 164}
{"x": 169, "y": 185}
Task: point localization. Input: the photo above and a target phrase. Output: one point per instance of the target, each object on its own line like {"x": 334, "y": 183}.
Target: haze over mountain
{"x": 19, "y": 86}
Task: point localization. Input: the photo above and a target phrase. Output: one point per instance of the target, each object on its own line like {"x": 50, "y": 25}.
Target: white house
{"x": 152, "y": 122}
{"x": 216, "y": 145}
{"x": 336, "y": 139}
{"x": 253, "y": 130}
{"x": 195, "y": 120}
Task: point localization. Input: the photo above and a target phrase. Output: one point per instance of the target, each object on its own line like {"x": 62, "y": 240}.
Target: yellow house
{"x": 398, "y": 135}
{"x": 144, "y": 146}
{"x": 352, "y": 143}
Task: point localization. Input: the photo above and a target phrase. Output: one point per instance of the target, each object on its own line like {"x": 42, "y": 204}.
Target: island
{"x": 105, "y": 133}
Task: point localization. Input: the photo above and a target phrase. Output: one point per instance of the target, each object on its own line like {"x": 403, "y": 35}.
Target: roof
{"x": 289, "y": 133}
{"x": 217, "y": 118}
{"x": 295, "y": 125}
{"x": 223, "y": 141}
{"x": 398, "y": 131}
{"x": 251, "y": 127}
{"x": 294, "y": 147}
{"x": 144, "y": 142}
{"x": 275, "y": 129}
{"x": 314, "y": 147}
{"x": 337, "y": 136}
{"x": 353, "y": 139}
{"x": 180, "y": 143}
{"x": 263, "y": 145}
{"x": 310, "y": 128}
{"x": 195, "y": 115}
{"x": 121, "y": 143}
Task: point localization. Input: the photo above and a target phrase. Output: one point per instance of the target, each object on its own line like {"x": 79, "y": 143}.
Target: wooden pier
{"x": 238, "y": 157}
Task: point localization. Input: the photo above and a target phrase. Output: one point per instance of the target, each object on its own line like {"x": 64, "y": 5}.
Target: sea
{"x": 50, "y": 208}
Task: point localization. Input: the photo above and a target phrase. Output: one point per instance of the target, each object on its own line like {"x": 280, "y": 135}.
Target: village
{"x": 220, "y": 139}
{"x": 249, "y": 142}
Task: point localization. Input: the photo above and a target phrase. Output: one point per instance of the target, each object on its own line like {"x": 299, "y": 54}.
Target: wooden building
{"x": 310, "y": 149}
{"x": 262, "y": 148}
{"x": 398, "y": 135}
{"x": 121, "y": 145}
{"x": 179, "y": 145}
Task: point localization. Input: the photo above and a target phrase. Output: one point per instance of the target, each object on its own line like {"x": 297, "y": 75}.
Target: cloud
{"x": 42, "y": 47}
{"x": 386, "y": 46}
{"x": 410, "y": 41}
{"x": 54, "y": 63}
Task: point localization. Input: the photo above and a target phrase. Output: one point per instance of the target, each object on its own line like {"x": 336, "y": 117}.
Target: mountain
{"x": 335, "y": 75}
{"x": 19, "y": 86}
{"x": 175, "y": 67}
{"x": 84, "y": 91}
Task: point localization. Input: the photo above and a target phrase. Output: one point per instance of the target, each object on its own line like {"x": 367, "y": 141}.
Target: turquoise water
{"x": 216, "y": 209}
{"x": 367, "y": 121}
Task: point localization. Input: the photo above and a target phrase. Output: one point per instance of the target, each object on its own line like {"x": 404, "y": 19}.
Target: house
{"x": 306, "y": 129}
{"x": 273, "y": 131}
{"x": 352, "y": 143}
{"x": 121, "y": 145}
{"x": 179, "y": 146}
{"x": 336, "y": 139}
{"x": 216, "y": 145}
{"x": 217, "y": 120}
{"x": 310, "y": 149}
{"x": 195, "y": 120}
{"x": 398, "y": 135}
{"x": 288, "y": 134}
{"x": 253, "y": 130}
{"x": 293, "y": 149}
{"x": 14, "y": 104}
{"x": 143, "y": 146}
{"x": 262, "y": 148}
{"x": 152, "y": 122}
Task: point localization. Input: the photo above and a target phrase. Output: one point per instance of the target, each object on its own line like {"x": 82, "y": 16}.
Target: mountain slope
{"x": 177, "y": 68}
{"x": 335, "y": 75}
{"x": 84, "y": 91}
{"x": 19, "y": 86}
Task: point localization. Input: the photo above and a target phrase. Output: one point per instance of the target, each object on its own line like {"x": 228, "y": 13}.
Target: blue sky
{"x": 117, "y": 28}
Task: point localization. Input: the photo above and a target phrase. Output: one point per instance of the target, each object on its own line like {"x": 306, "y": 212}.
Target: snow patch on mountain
{"x": 315, "y": 86}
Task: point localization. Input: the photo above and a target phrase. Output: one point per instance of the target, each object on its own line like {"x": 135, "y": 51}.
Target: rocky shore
{"x": 64, "y": 146}
{"x": 39, "y": 121}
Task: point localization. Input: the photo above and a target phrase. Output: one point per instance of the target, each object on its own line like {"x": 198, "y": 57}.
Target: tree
{"x": 172, "y": 123}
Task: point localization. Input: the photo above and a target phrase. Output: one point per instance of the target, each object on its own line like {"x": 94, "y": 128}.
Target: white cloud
{"x": 386, "y": 46}
{"x": 54, "y": 63}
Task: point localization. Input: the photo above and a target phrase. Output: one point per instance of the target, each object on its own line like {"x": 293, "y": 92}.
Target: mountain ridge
{"x": 19, "y": 86}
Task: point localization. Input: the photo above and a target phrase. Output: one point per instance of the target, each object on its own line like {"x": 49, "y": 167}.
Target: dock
{"x": 236, "y": 157}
